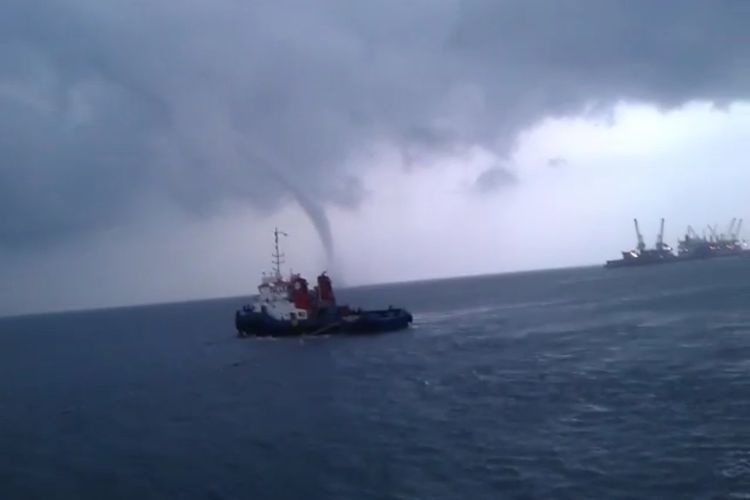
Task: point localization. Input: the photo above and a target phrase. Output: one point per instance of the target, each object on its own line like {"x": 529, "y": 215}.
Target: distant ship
{"x": 286, "y": 307}
{"x": 694, "y": 246}
{"x": 691, "y": 247}
{"x": 712, "y": 243}
{"x": 642, "y": 256}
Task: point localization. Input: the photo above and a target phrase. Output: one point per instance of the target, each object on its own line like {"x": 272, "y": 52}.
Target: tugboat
{"x": 286, "y": 308}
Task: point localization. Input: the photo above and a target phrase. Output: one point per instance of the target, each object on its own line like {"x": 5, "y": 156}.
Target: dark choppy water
{"x": 567, "y": 384}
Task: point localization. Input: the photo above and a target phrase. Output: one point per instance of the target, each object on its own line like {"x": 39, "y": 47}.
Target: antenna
{"x": 278, "y": 257}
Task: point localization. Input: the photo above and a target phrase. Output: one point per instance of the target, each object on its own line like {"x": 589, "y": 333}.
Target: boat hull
{"x": 258, "y": 324}
{"x": 703, "y": 255}
{"x": 639, "y": 262}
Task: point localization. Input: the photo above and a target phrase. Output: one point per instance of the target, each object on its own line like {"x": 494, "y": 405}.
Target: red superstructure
{"x": 325, "y": 290}
{"x": 299, "y": 293}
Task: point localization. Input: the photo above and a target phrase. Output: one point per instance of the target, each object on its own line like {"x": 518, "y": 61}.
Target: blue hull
{"x": 258, "y": 324}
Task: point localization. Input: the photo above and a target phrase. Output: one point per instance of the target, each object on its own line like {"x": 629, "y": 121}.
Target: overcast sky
{"x": 149, "y": 147}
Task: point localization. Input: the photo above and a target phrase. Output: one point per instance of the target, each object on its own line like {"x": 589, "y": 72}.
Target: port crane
{"x": 730, "y": 231}
{"x": 660, "y": 245}
{"x": 692, "y": 234}
{"x": 641, "y": 245}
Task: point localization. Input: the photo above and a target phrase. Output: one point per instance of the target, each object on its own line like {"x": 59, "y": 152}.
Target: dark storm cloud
{"x": 494, "y": 179}
{"x": 104, "y": 105}
{"x": 557, "y": 162}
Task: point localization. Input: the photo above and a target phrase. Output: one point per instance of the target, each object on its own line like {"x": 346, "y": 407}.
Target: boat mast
{"x": 278, "y": 257}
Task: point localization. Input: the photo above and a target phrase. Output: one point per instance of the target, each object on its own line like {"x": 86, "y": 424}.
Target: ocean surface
{"x": 569, "y": 384}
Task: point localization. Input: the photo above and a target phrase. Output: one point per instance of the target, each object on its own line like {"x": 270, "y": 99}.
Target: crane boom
{"x": 712, "y": 233}
{"x": 730, "y": 232}
{"x": 660, "y": 237}
{"x": 641, "y": 244}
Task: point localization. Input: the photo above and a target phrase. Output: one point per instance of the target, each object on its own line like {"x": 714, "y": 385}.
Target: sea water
{"x": 570, "y": 384}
